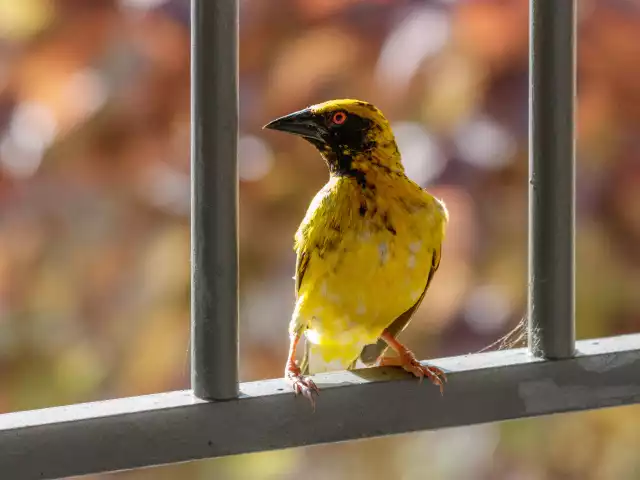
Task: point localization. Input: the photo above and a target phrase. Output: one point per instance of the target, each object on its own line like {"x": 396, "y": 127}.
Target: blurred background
{"x": 94, "y": 204}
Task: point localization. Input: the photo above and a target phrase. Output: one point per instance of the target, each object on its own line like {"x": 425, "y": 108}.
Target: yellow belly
{"x": 357, "y": 290}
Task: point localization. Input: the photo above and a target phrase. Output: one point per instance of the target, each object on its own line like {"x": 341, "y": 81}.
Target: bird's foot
{"x": 408, "y": 361}
{"x": 301, "y": 384}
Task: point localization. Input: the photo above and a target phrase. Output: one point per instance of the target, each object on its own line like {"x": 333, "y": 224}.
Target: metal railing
{"x": 220, "y": 417}
{"x": 214, "y": 199}
{"x": 552, "y": 91}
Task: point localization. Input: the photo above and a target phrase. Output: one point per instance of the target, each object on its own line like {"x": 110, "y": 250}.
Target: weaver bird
{"x": 367, "y": 248}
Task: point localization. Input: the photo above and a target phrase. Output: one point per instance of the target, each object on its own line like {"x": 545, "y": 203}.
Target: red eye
{"x": 339, "y": 118}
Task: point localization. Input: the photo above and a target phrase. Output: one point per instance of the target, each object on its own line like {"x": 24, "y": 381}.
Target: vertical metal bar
{"x": 214, "y": 198}
{"x": 551, "y": 304}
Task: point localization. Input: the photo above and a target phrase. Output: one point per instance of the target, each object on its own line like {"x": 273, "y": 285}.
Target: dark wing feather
{"x": 302, "y": 262}
{"x": 371, "y": 353}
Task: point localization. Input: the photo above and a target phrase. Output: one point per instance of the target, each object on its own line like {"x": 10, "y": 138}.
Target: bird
{"x": 366, "y": 250}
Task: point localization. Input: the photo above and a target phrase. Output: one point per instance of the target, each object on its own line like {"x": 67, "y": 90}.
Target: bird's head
{"x": 353, "y": 136}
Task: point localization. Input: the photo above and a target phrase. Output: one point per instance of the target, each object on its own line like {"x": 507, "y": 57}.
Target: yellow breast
{"x": 369, "y": 255}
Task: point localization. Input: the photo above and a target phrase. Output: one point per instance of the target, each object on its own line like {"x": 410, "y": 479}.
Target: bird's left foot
{"x": 408, "y": 361}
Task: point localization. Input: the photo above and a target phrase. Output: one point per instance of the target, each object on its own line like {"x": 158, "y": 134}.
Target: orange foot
{"x": 408, "y": 361}
{"x": 301, "y": 384}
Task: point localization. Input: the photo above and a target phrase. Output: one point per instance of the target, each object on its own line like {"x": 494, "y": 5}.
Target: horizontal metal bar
{"x": 175, "y": 426}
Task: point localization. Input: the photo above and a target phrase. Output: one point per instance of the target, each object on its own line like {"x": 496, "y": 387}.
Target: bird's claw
{"x": 302, "y": 385}
{"x": 412, "y": 365}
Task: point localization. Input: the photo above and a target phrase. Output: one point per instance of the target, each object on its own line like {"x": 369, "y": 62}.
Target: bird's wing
{"x": 372, "y": 352}
{"x": 302, "y": 262}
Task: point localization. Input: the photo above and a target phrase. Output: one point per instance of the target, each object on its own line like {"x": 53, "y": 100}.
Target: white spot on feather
{"x": 361, "y": 309}
{"x": 333, "y": 297}
{"x": 313, "y": 336}
{"x": 411, "y": 262}
{"x": 324, "y": 291}
{"x": 414, "y": 247}
{"x": 364, "y": 235}
{"x": 384, "y": 252}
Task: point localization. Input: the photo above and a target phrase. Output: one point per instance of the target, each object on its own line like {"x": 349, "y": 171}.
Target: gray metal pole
{"x": 551, "y": 305}
{"x": 214, "y": 199}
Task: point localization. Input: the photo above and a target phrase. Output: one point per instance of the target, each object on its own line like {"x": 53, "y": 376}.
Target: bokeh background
{"x": 94, "y": 203}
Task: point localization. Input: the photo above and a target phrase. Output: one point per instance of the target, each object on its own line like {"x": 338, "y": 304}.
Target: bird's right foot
{"x": 301, "y": 384}
{"x": 408, "y": 362}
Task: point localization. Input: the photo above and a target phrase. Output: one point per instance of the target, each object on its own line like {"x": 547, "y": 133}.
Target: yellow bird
{"x": 367, "y": 248}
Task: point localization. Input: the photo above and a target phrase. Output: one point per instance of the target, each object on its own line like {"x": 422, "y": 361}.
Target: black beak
{"x": 303, "y": 123}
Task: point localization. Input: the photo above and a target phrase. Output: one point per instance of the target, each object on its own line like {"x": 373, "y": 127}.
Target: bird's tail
{"x": 313, "y": 361}
{"x": 304, "y": 363}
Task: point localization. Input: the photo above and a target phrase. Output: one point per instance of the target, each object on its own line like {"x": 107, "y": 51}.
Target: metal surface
{"x": 552, "y": 178}
{"x": 174, "y": 427}
{"x": 214, "y": 201}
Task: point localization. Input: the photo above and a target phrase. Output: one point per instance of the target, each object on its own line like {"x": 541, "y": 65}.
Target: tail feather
{"x": 304, "y": 363}
{"x": 313, "y": 362}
